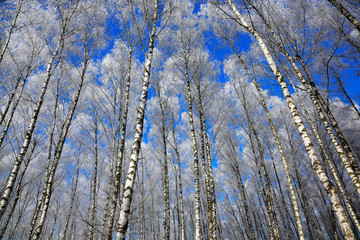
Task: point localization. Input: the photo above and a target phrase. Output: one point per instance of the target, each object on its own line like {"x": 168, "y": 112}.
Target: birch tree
{"x": 346, "y": 13}
{"x": 335, "y": 201}
{"x": 221, "y": 152}
{"x": 88, "y": 49}
{"x": 186, "y": 49}
{"x": 19, "y": 159}
{"x": 128, "y": 190}
{"x": 131, "y": 38}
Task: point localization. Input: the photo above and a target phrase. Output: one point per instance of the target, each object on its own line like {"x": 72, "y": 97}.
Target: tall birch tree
{"x": 128, "y": 190}
{"x": 329, "y": 187}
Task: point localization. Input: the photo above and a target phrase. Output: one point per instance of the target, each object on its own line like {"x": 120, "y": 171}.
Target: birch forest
{"x": 180, "y": 119}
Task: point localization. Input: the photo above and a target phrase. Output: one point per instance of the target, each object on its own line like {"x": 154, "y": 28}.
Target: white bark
{"x": 166, "y": 195}
{"x": 182, "y": 217}
{"x": 338, "y": 148}
{"x": 335, "y": 126}
{"x": 11, "y": 115}
{"x": 13, "y": 24}
{"x": 118, "y": 168}
{"x": 281, "y": 151}
{"x": 196, "y": 158}
{"x": 20, "y": 157}
{"x": 208, "y": 206}
{"x": 19, "y": 188}
{"x": 94, "y": 180}
{"x": 208, "y": 172}
{"x": 327, "y": 159}
{"x": 48, "y": 188}
{"x": 128, "y": 190}
{"x": 329, "y": 187}
{"x": 346, "y": 13}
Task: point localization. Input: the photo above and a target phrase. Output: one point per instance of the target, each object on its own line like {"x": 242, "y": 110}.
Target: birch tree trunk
{"x": 346, "y": 13}
{"x": 13, "y": 24}
{"x": 58, "y": 150}
{"x": 209, "y": 178}
{"x": 92, "y": 225}
{"x": 277, "y": 140}
{"x": 166, "y": 221}
{"x": 281, "y": 150}
{"x": 212, "y": 185}
{"x": 128, "y": 190}
{"x": 195, "y": 151}
{"x": 142, "y": 209}
{"x": 72, "y": 201}
{"x": 48, "y": 164}
{"x": 119, "y": 163}
{"x": 17, "y": 193}
{"x": 329, "y": 187}
{"x": 205, "y": 172}
{"x": 269, "y": 195}
{"x": 20, "y": 157}
{"x": 11, "y": 114}
{"x": 351, "y": 165}
{"x": 328, "y": 161}
{"x": 175, "y": 146}
{"x": 11, "y": 98}
{"x": 161, "y": 125}
{"x": 333, "y": 122}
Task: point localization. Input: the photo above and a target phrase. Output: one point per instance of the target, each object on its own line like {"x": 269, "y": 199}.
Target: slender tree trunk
{"x": 12, "y": 112}
{"x": 166, "y": 196}
{"x": 128, "y": 191}
{"x": 20, "y": 157}
{"x": 329, "y": 187}
{"x": 166, "y": 223}
{"x": 11, "y": 98}
{"x": 58, "y": 150}
{"x": 94, "y": 181}
{"x": 346, "y": 13}
{"x": 277, "y": 141}
{"x": 175, "y": 146}
{"x": 333, "y": 122}
{"x": 13, "y": 25}
{"x": 236, "y": 168}
{"x": 17, "y": 193}
{"x": 281, "y": 216}
{"x": 72, "y": 200}
{"x": 278, "y": 144}
{"x": 195, "y": 152}
{"x": 349, "y": 166}
{"x": 306, "y": 208}
{"x": 54, "y": 224}
{"x": 119, "y": 163}
{"x": 212, "y": 186}
{"x": 177, "y": 227}
{"x": 142, "y": 210}
{"x": 328, "y": 161}
{"x": 268, "y": 194}
{"x": 113, "y": 153}
{"x": 36, "y": 213}
{"x": 208, "y": 172}
{"x": 48, "y": 164}
{"x": 288, "y": 222}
